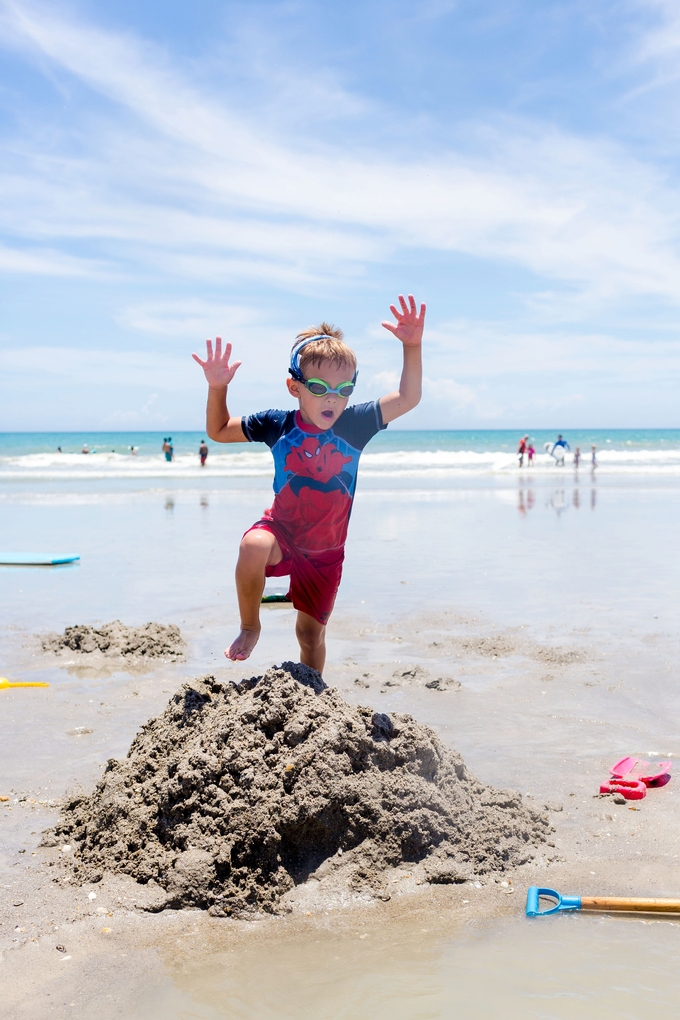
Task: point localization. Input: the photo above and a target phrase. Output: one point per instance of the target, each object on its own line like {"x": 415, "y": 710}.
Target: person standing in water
{"x": 167, "y": 448}
{"x": 593, "y": 457}
{"x": 522, "y": 449}
{"x": 559, "y": 447}
{"x": 530, "y": 453}
{"x": 577, "y": 457}
{"x": 203, "y": 452}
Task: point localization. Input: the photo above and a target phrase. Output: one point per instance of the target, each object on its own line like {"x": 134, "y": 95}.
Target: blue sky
{"x": 172, "y": 170}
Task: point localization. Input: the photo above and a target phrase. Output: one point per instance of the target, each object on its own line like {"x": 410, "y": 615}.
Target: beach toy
{"x": 4, "y": 682}
{"x": 633, "y": 904}
{"x": 269, "y": 599}
{"x": 631, "y": 789}
{"x": 649, "y": 773}
{"x": 23, "y": 559}
{"x": 631, "y": 777}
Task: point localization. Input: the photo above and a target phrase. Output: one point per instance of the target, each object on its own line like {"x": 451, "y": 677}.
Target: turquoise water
{"x": 428, "y": 459}
{"x": 18, "y": 444}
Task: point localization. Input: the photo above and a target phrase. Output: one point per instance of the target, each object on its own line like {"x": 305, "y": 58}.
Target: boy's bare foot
{"x": 243, "y": 645}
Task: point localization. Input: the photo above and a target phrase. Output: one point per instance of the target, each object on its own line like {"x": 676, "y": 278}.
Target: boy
{"x": 316, "y": 453}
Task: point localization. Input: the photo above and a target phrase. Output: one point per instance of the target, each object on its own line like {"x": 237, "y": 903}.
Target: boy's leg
{"x": 258, "y": 549}
{"x": 311, "y": 636}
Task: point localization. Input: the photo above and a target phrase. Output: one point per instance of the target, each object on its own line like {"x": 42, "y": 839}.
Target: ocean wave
{"x": 73, "y": 466}
{"x": 433, "y": 464}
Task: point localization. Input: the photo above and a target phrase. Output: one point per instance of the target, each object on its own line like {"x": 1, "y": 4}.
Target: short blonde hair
{"x": 331, "y": 347}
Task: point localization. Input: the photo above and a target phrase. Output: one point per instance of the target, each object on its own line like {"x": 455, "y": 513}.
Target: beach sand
{"x": 546, "y": 629}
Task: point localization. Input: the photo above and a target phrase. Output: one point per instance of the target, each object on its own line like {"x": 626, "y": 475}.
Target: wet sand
{"x": 554, "y": 630}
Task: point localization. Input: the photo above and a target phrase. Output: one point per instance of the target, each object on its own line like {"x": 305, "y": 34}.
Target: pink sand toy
{"x": 631, "y": 789}
{"x": 631, "y": 777}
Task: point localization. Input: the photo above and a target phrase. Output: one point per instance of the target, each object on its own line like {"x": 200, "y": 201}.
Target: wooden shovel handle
{"x": 630, "y": 903}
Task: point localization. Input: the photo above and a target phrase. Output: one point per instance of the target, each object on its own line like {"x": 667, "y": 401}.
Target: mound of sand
{"x": 152, "y": 641}
{"x": 236, "y": 793}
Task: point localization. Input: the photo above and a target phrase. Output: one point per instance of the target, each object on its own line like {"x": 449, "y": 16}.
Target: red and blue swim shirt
{"x": 315, "y": 472}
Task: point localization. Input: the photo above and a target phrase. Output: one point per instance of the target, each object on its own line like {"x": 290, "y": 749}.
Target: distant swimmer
{"x": 85, "y": 449}
{"x": 530, "y": 453}
{"x": 203, "y": 452}
{"x": 577, "y": 457}
{"x": 522, "y": 449}
{"x": 593, "y": 456}
{"x": 167, "y": 448}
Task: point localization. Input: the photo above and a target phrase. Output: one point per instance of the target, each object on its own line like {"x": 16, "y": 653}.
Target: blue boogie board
{"x": 20, "y": 559}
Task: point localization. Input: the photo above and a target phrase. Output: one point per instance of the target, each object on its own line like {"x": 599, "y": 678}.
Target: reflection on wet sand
{"x": 559, "y": 500}
{"x": 525, "y": 500}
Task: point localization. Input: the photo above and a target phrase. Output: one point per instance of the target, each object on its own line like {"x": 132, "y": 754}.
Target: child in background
{"x": 530, "y": 453}
{"x": 577, "y": 457}
{"x": 316, "y": 453}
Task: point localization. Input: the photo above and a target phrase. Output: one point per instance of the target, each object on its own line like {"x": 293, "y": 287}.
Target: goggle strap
{"x": 295, "y": 354}
{"x": 294, "y": 369}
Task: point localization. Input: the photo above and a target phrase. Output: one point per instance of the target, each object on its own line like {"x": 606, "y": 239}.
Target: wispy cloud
{"x": 93, "y": 368}
{"x": 196, "y": 205}
{"x": 147, "y": 415}
{"x": 189, "y": 318}
{"x": 190, "y": 187}
{"x": 39, "y": 261}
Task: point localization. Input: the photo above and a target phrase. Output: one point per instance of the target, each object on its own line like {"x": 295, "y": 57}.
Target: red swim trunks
{"x": 314, "y": 579}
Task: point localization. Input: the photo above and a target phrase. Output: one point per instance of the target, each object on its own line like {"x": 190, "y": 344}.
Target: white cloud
{"x": 49, "y": 262}
{"x": 460, "y": 397}
{"x": 384, "y": 382}
{"x": 663, "y": 39}
{"x": 228, "y": 201}
{"x": 101, "y": 368}
{"x": 477, "y": 350}
{"x": 145, "y": 416}
{"x": 193, "y": 318}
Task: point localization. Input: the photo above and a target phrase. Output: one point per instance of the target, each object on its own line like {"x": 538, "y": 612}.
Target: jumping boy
{"x": 316, "y": 453}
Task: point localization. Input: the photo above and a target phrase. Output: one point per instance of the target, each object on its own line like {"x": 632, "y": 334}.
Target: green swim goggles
{"x": 320, "y": 388}
{"x": 317, "y": 386}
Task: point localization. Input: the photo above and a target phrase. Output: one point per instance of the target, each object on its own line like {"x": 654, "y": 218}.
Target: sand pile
{"x": 152, "y": 641}
{"x": 237, "y": 793}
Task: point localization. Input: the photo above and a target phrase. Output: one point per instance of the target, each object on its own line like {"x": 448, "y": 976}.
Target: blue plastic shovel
{"x": 599, "y": 903}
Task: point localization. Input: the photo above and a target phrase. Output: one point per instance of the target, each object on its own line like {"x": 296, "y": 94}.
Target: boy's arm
{"x": 408, "y": 329}
{"x": 219, "y": 373}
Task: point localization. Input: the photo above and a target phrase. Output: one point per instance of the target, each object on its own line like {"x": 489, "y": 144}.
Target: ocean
{"x": 394, "y": 455}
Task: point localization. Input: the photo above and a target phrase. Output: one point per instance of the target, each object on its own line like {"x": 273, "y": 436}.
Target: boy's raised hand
{"x": 216, "y": 366}
{"x": 410, "y": 322}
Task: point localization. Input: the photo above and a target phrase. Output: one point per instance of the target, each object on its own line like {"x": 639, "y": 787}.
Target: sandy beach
{"x": 380, "y": 290}
{"x": 531, "y": 624}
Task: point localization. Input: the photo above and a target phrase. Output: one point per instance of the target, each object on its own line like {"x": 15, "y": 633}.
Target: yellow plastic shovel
{"x": 4, "y": 682}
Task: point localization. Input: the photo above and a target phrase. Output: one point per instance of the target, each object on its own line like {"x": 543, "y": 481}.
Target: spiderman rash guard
{"x": 315, "y": 476}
